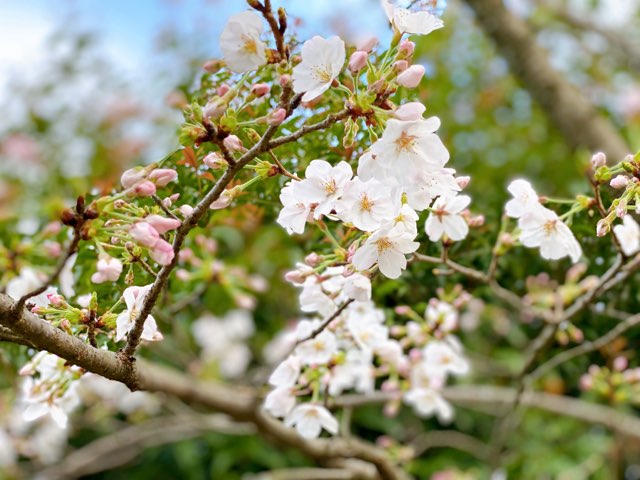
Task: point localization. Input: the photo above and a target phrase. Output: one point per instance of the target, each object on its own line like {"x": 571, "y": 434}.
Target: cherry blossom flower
{"x": 387, "y": 247}
{"x": 628, "y": 234}
{"x": 319, "y": 349}
{"x": 524, "y": 198}
{"x": 405, "y": 21}
{"x": 286, "y": 374}
{"x": 406, "y": 219}
{"x": 543, "y": 228}
{"x": 322, "y": 61}
{"x": 358, "y": 287}
{"x": 294, "y": 214}
{"x": 162, "y": 224}
{"x": 240, "y": 42}
{"x": 323, "y": 185}
{"x": 280, "y": 401}
{"x": 356, "y": 372}
{"x": 309, "y": 420}
{"x": 368, "y": 335}
{"x": 409, "y": 111}
{"x": 441, "y": 358}
{"x": 429, "y": 185}
{"x": 427, "y": 402}
{"x": 445, "y": 218}
{"x": 28, "y": 281}
{"x": 134, "y": 299}
{"x": 406, "y": 148}
{"x": 441, "y": 315}
{"x": 108, "y": 270}
{"x": 366, "y": 205}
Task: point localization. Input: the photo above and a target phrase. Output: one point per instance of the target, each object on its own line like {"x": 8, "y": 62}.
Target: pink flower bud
{"x": 223, "y": 201}
{"x": 409, "y": 111}
{"x": 586, "y": 382}
{"x": 215, "y": 108}
{"x": 599, "y": 159}
{"x": 53, "y": 249}
{"x": 294, "y": 276}
{"x": 162, "y": 224}
{"x": 182, "y": 274}
{"x": 186, "y": 210}
{"x": 358, "y": 61}
{"x": 285, "y": 80}
{"x": 406, "y": 48}
{"x": 402, "y": 309}
{"x": 162, "y": 176}
{"x": 260, "y": 89}
{"x": 313, "y": 259}
{"x": 222, "y": 89}
{"x": 463, "y": 181}
{"x": 132, "y": 176}
{"x": 277, "y": 116}
{"x": 367, "y": 44}
{"x": 55, "y": 299}
{"x": 602, "y": 228}
{"x": 245, "y": 301}
{"x": 108, "y": 270}
{"x": 233, "y": 143}
{"x": 162, "y": 252}
{"x": 415, "y": 355}
{"x": 144, "y": 234}
{"x": 214, "y": 161}
{"x": 144, "y": 189}
{"x": 400, "y": 65}
{"x": 620, "y": 363}
{"x": 619, "y": 181}
{"x": 411, "y": 77}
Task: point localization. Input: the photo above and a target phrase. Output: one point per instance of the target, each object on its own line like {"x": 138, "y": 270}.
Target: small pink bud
{"x": 400, "y": 66}
{"x": 476, "y": 221}
{"x": 144, "y": 234}
{"x": 244, "y": 301}
{"x": 599, "y": 159}
{"x": 415, "y": 355}
{"x": 463, "y": 181}
{"x": 285, "y": 80}
{"x": 222, "y": 89}
{"x": 402, "y": 309}
{"x": 276, "y": 117}
{"x": 620, "y": 363}
{"x": 586, "y": 382}
{"x": 215, "y": 108}
{"x": 186, "y": 210}
{"x": 37, "y": 310}
{"x": 233, "y": 143}
{"x": 162, "y": 252}
{"x": 182, "y": 274}
{"x": 260, "y": 89}
{"x": 390, "y": 386}
{"x": 294, "y": 276}
{"x": 53, "y": 249}
{"x": 628, "y": 158}
{"x": 367, "y": 44}
{"x": 52, "y": 228}
{"x": 55, "y": 299}
{"x": 602, "y": 228}
{"x": 358, "y": 61}
{"x": 144, "y": 189}
{"x": 411, "y": 77}
{"x": 132, "y": 176}
{"x": 214, "y": 161}
{"x": 409, "y": 111}
{"x": 162, "y": 224}
{"x": 619, "y": 181}
{"x": 163, "y": 176}
{"x": 108, "y": 269}
{"x": 223, "y": 201}
{"x": 313, "y": 259}
{"x": 406, "y": 48}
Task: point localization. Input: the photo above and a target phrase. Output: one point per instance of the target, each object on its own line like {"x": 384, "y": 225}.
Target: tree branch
{"x": 579, "y": 121}
{"x": 241, "y": 404}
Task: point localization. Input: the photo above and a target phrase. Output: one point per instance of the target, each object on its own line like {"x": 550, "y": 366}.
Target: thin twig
{"x": 161, "y": 204}
{"x": 320, "y": 328}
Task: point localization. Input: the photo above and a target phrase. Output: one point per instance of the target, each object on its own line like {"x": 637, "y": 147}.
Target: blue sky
{"x": 128, "y": 29}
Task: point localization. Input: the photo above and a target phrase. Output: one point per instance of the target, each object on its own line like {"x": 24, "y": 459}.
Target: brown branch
{"x": 585, "y": 347}
{"x": 449, "y": 439}
{"x": 159, "y": 202}
{"x": 579, "y": 121}
{"x": 123, "y": 446}
{"x": 320, "y": 328}
{"x": 241, "y": 404}
{"x": 264, "y": 144}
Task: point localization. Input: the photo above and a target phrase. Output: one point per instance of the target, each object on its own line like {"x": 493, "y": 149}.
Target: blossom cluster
{"x": 348, "y": 346}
